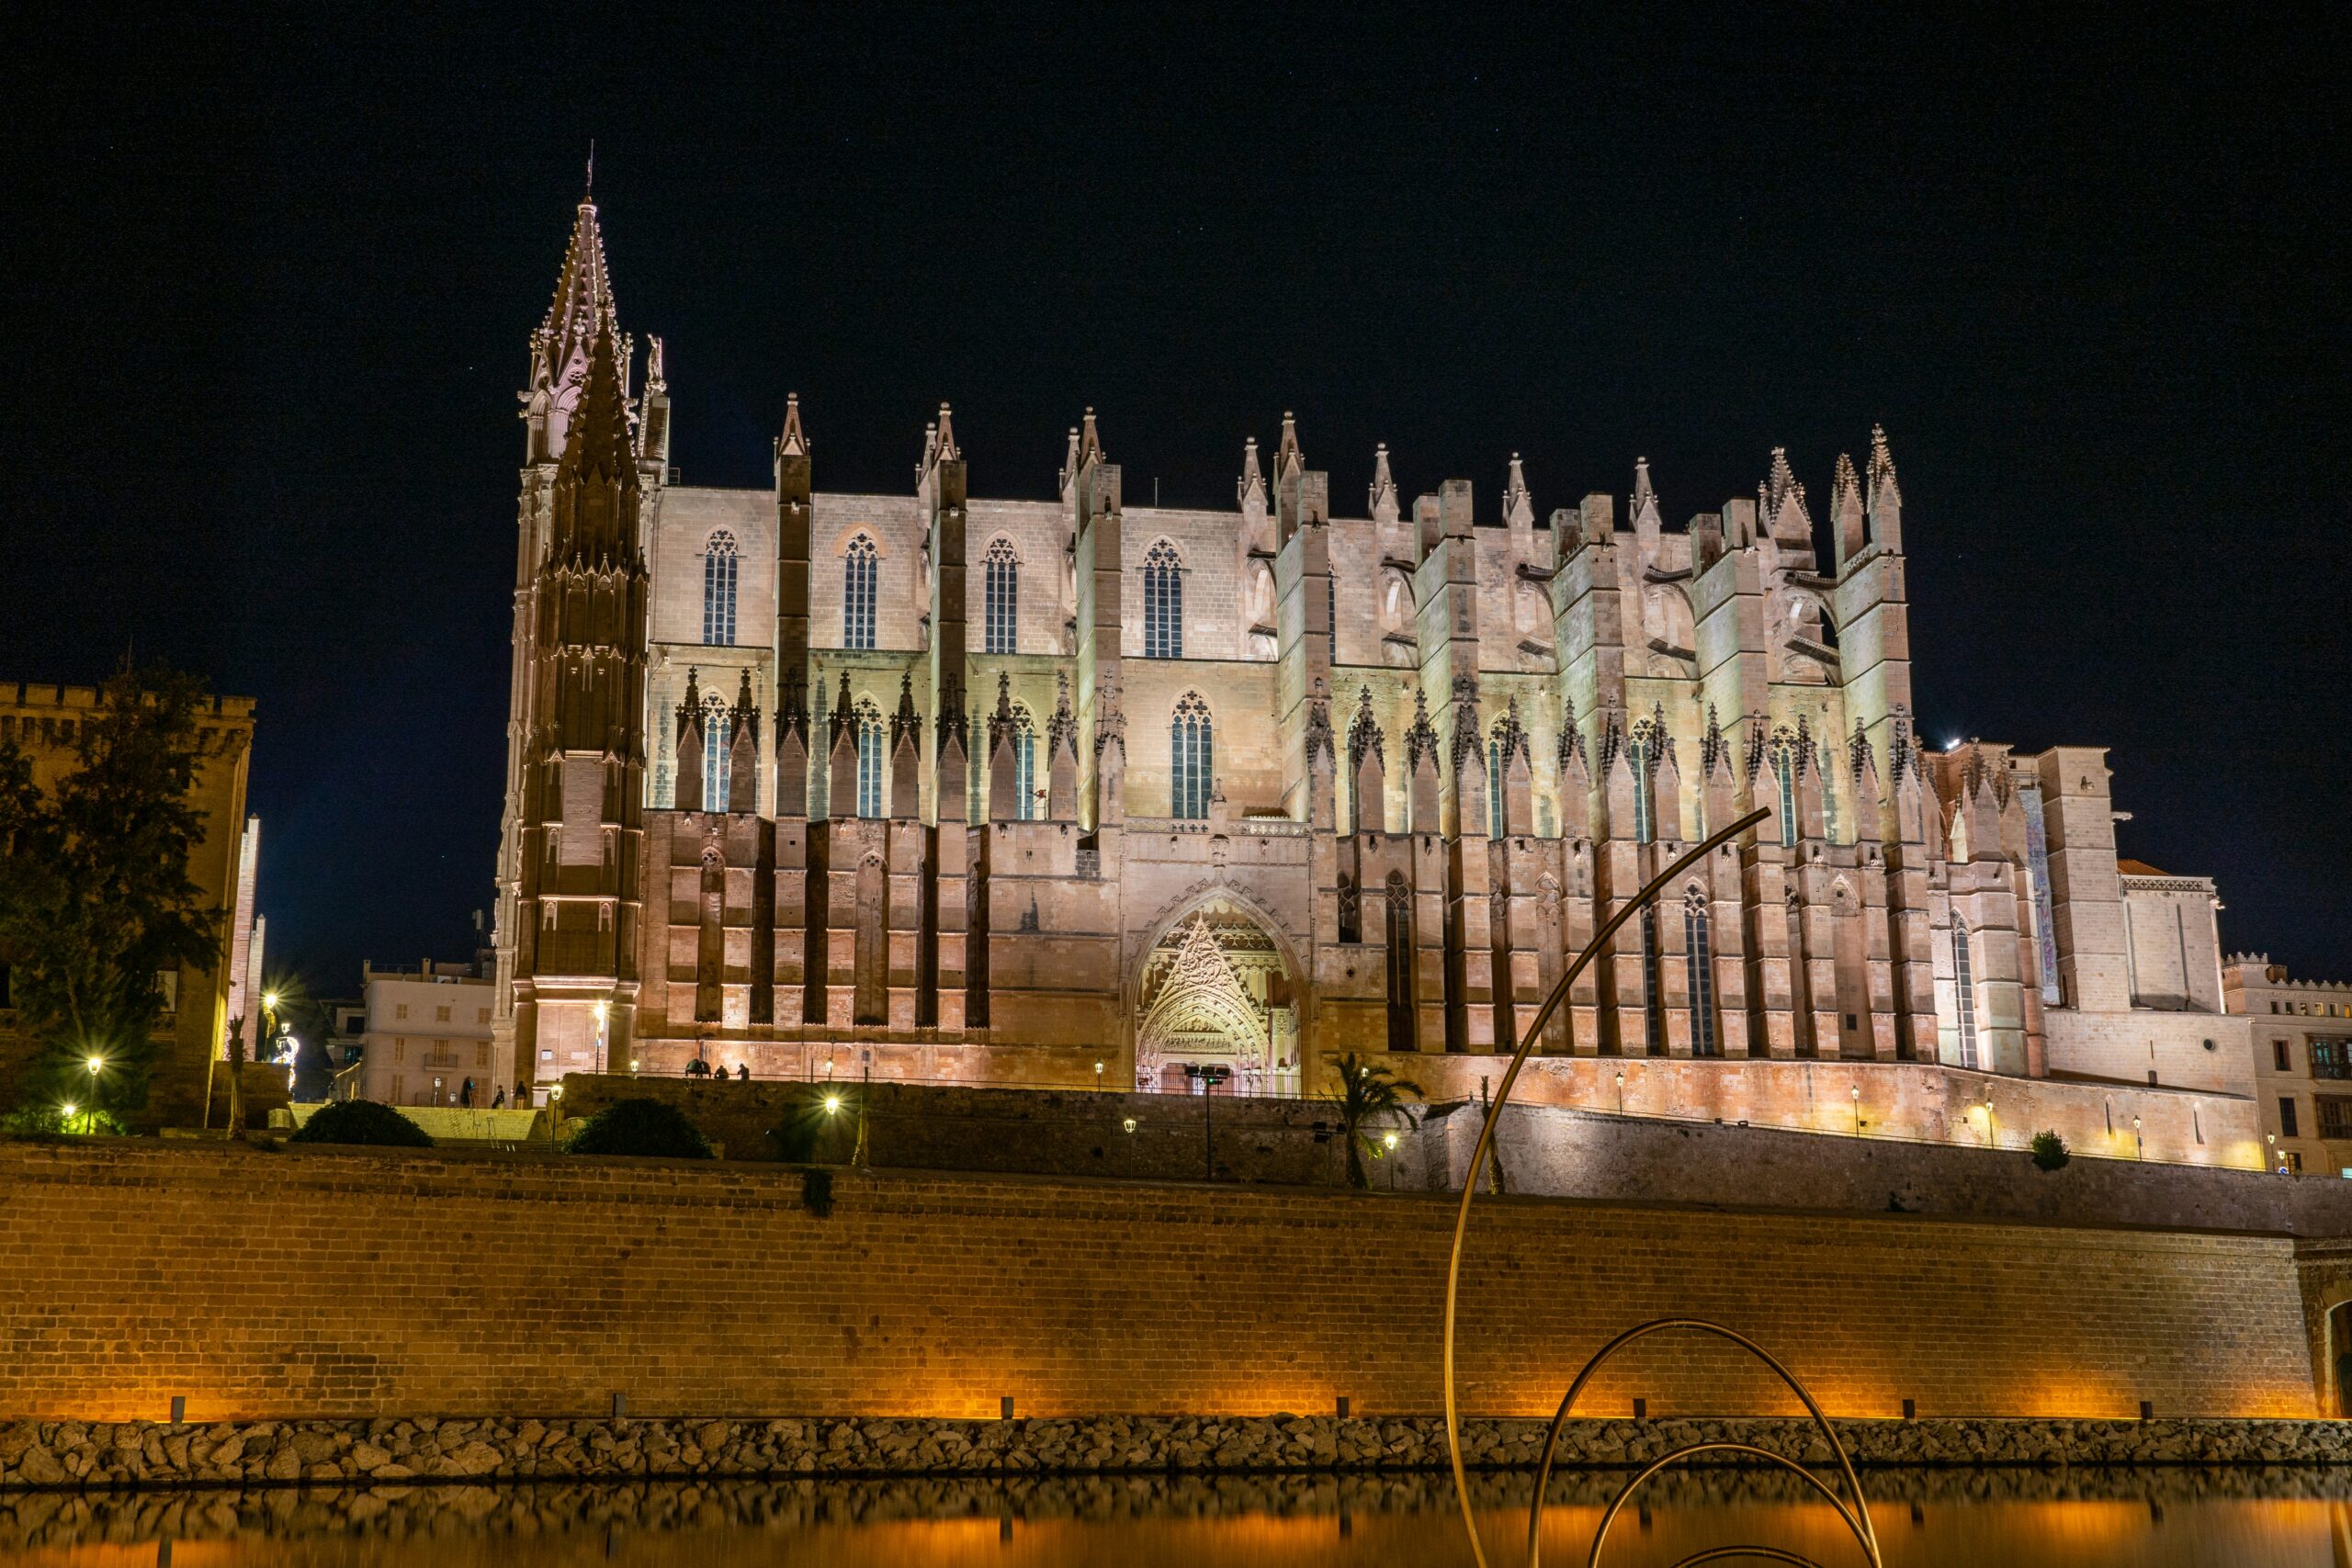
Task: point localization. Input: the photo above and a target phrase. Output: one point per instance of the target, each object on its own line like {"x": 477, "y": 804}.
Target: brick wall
{"x": 370, "y": 1283}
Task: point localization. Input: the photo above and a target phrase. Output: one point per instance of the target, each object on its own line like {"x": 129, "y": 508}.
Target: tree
{"x": 1369, "y": 1094}
{"x": 2050, "y": 1151}
{"x": 96, "y": 902}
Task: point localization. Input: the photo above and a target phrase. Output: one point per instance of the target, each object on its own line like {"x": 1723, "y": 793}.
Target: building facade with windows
{"x": 2300, "y": 1033}
{"x": 997, "y": 790}
{"x": 429, "y": 1037}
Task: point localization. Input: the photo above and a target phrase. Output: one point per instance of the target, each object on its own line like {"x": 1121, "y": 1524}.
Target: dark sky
{"x": 266, "y": 294}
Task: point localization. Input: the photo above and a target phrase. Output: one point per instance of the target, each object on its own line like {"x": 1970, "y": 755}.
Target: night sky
{"x": 267, "y": 295}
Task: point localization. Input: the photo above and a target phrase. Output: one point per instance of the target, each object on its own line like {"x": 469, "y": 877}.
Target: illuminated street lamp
{"x": 68, "y": 1108}
{"x": 1858, "y": 1110}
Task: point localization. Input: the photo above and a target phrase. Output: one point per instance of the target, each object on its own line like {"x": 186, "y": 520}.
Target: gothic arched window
{"x": 1191, "y": 758}
{"x": 1641, "y": 752}
{"x": 1963, "y": 980}
{"x": 1002, "y": 579}
{"x": 1399, "y": 937}
{"x": 1493, "y": 787}
{"x": 1163, "y": 603}
{"x": 1699, "y": 973}
{"x": 1784, "y": 771}
{"x": 861, "y": 564}
{"x": 1025, "y": 766}
{"x": 868, "y": 719}
{"x": 1653, "y": 981}
{"x": 719, "y": 590}
{"x": 717, "y": 739}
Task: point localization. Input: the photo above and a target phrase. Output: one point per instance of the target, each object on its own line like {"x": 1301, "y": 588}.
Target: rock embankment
{"x": 74, "y": 1454}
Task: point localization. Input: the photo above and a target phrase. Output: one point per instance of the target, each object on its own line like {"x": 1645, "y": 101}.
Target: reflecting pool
{"x": 2248, "y": 1518}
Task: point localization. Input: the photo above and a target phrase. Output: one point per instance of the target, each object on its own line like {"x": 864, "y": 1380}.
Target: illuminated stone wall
{"x": 379, "y": 1283}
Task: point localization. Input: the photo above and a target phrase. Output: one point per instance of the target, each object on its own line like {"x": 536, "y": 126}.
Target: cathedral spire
{"x": 1519, "y": 507}
{"x": 1251, "y": 489}
{"x": 1845, "y": 511}
{"x": 1384, "y": 487}
{"x": 793, "y": 443}
{"x": 582, "y": 308}
{"x": 597, "y": 483}
{"x": 1884, "y": 500}
{"x": 946, "y": 452}
{"x": 1069, "y": 475}
{"x": 1289, "y": 461}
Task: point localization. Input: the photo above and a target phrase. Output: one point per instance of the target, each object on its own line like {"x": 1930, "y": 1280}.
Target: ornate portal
{"x": 1215, "y": 990}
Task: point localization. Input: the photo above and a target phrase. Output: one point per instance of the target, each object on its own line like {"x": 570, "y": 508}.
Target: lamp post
{"x": 1621, "y": 1092}
{"x": 1858, "y": 1109}
{"x": 1991, "y": 1140}
{"x": 1388, "y": 1148}
{"x": 1208, "y": 1076}
{"x": 93, "y": 1063}
{"x": 2140, "y": 1139}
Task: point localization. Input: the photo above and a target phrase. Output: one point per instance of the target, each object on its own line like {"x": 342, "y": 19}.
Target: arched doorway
{"x": 1215, "y": 991}
{"x": 2339, "y": 1357}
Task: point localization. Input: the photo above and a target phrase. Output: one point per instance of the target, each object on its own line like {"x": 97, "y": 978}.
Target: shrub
{"x": 361, "y": 1122}
{"x": 639, "y": 1127}
{"x": 2050, "y": 1151}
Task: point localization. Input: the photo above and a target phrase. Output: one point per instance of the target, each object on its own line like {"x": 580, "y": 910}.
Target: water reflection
{"x": 2077, "y": 1518}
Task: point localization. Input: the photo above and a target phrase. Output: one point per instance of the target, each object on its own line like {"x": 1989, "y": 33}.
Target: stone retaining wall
{"x": 76, "y": 1455}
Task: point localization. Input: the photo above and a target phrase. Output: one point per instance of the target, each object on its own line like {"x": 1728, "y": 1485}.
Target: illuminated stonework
{"x": 940, "y": 785}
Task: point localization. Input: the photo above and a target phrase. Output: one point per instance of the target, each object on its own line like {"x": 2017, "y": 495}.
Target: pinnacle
{"x": 792, "y": 442}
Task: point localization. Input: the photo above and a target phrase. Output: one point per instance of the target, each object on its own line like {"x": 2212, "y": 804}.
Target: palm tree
{"x": 1369, "y": 1093}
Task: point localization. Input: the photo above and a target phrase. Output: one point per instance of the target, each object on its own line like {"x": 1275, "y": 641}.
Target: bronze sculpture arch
{"x": 1857, "y": 1519}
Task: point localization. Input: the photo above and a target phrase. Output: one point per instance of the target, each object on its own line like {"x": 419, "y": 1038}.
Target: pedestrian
{"x": 466, "y": 1095}
{"x": 498, "y": 1101}
{"x": 744, "y": 1072}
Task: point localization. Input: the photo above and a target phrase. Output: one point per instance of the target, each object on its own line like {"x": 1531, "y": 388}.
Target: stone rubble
{"x": 72, "y": 1455}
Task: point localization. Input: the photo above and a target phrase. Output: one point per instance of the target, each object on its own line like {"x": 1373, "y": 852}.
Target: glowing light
{"x": 603, "y": 1011}
{"x": 1389, "y": 1140}
{"x": 93, "y": 1063}
{"x": 269, "y": 1000}
{"x": 1130, "y": 1123}
{"x": 69, "y": 1108}
{"x": 833, "y": 1103}
{"x": 1951, "y": 745}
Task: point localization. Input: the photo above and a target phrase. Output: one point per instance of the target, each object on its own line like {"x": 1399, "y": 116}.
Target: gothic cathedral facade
{"x": 1071, "y": 791}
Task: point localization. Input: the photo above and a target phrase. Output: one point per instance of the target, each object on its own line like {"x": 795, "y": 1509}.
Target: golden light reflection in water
{"x": 1943, "y": 1534}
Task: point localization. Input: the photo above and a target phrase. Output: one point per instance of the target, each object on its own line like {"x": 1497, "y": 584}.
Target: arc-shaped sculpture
{"x": 1857, "y": 1519}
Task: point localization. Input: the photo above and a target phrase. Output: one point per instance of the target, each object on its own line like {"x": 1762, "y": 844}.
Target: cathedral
{"x": 1068, "y": 790}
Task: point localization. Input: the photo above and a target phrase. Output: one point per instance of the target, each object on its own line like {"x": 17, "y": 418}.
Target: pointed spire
{"x": 1069, "y": 475}
{"x": 906, "y": 721}
{"x": 1364, "y": 734}
{"x": 1885, "y": 498}
{"x": 1288, "y": 460}
{"x": 1845, "y": 511}
{"x": 1250, "y": 490}
{"x": 842, "y": 703}
{"x": 1783, "y": 484}
{"x": 1883, "y": 484}
{"x": 599, "y": 447}
{"x": 1519, "y": 508}
{"x": 1090, "y": 444}
{"x": 1642, "y": 494}
{"x": 945, "y": 451}
{"x": 1384, "y": 487}
{"x": 583, "y": 307}
{"x": 793, "y": 443}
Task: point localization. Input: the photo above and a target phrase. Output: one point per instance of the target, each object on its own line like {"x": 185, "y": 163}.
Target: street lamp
{"x": 1208, "y": 1076}
{"x": 68, "y": 1108}
{"x": 1388, "y": 1149}
{"x": 2139, "y": 1138}
{"x": 1858, "y": 1109}
{"x": 1620, "y": 1093}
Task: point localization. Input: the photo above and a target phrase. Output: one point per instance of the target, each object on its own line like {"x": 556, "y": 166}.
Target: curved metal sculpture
{"x": 1857, "y": 1519}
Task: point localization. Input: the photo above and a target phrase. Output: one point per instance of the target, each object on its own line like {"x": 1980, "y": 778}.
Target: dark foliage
{"x": 2050, "y": 1151}
{"x": 362, "y": 1121}
{"x": 645, "y": 1127}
